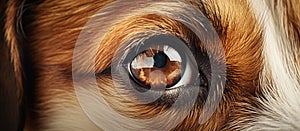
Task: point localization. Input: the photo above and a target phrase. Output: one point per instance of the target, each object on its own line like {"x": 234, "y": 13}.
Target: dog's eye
{"x": 158, "y": 62}
{"x": 160, "y": 66}
{"x": 156, "y": 69}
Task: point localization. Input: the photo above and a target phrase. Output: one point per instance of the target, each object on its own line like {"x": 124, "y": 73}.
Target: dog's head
{"x": 151, "y": 65}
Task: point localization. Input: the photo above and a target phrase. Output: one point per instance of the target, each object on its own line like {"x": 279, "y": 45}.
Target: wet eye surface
{"x": 157, "y": 67}
{"x": 164, "y": 62}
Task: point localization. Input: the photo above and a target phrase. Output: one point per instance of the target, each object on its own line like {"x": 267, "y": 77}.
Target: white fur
{"x": 281, "y": 106}
{"x": 280, "y": 110}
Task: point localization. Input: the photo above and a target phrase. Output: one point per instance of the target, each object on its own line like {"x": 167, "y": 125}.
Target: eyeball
{"x": 156, "y": 67}
{"x": 162, "y": 62}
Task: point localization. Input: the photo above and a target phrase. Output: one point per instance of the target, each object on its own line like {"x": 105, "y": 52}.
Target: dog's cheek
{"x": 52, "y": 32}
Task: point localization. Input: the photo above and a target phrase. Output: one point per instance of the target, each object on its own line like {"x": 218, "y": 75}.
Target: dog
{"x": 54, "y": 52}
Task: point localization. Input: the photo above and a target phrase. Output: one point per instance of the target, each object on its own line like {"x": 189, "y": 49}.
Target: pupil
{"x": 156, "y": 68}
{"x": 160, "y": 59}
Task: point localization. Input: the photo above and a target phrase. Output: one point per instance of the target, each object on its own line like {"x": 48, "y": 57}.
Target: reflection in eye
{"x": 163, "y": 62}
{"x": 157, "y": 68}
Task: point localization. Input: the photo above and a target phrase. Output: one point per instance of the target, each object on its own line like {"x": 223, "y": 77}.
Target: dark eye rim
{"x": 158, "y": 40}
{"x": 125, "y": 54}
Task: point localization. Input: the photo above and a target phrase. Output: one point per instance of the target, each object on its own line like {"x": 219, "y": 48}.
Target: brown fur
{"x": 56, "y": 25}
{"x": 292, "y": 19}
{"x": 53, "y": 26}
{"x": 11, "y": 37}
{"x": 11, "y": 77}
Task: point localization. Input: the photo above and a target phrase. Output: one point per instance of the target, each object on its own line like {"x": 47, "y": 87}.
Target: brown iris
{"x": 157, "y": 68}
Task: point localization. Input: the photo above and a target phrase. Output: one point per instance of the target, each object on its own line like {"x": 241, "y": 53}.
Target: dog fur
{"x": 260, "y": 40}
